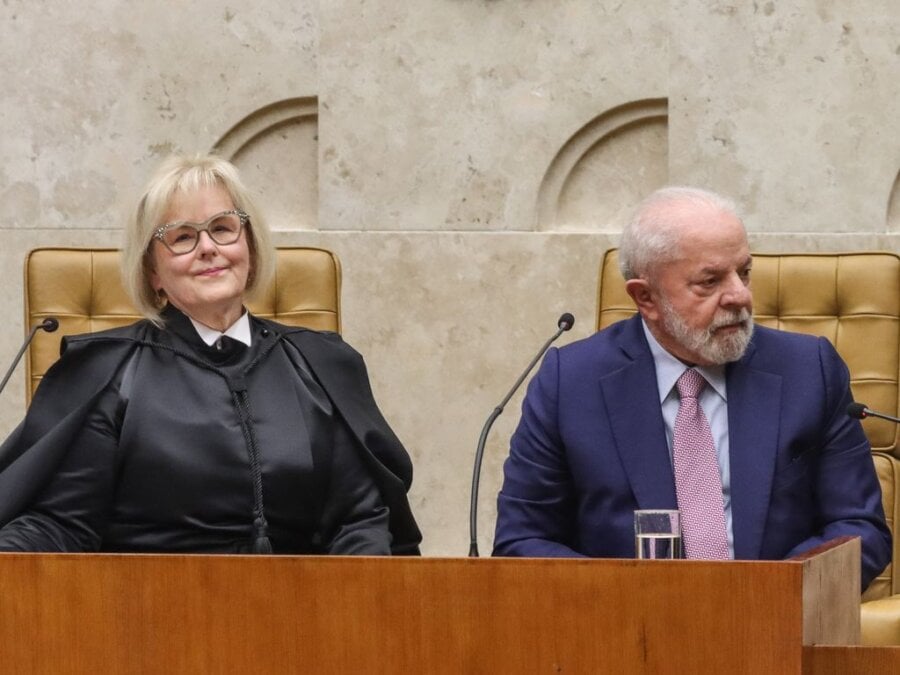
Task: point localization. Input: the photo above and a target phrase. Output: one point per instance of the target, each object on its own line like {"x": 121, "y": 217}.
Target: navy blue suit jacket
{"x": 590, "y": 448}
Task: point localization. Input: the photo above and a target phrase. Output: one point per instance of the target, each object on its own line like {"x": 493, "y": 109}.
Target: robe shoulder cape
{"x": 89, "y": 363}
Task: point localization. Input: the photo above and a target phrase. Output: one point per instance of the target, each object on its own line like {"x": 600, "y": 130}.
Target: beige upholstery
{"x": 853, "y": 299}
{"x": 82, "y": 288}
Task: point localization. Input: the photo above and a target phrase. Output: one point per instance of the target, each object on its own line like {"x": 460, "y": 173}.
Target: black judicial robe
{"x": 195, "y": 385}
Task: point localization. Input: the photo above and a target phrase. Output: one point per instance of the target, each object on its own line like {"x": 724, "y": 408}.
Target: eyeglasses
{"x": 182, "y": 237}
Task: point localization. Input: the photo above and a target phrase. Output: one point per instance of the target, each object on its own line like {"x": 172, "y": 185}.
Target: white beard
{"x": 713, "y": 348}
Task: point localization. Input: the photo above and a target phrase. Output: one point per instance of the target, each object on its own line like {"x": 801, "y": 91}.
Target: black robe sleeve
{"x": 58, "y": 414}
{"x": 70, "y": 512}
{"x": 342, "y": 373}
{"x": 354, "y": 519}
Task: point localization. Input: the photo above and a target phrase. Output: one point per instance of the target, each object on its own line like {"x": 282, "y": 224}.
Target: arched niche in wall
{"x": 893, "y": 210}
{"x": 606, "y": 168}
{"x": 276, "y": 149}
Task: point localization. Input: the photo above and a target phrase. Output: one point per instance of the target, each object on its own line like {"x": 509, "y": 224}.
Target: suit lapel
{"x": 754, "y": 409}
{"x": 632, "y": 401}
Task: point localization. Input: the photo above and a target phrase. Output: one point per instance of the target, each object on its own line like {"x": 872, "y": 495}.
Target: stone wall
{"x": 468, "y": 160}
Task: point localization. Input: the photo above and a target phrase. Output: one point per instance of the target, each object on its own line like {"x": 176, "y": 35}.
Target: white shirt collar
{"x": 669, "y": 369}
{"x": 239, "y": 330}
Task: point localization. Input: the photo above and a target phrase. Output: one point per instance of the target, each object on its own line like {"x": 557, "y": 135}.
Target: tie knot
{"x": 690, "y": 384}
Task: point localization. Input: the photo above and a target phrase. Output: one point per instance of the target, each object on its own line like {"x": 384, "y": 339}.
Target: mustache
{"x": 730, "y": 318}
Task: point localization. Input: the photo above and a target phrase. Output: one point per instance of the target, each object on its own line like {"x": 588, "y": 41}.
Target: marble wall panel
{"x": 606, "y": 168}
{"x": 276, "y": 149}
{"x": 788, "y": 107}
{"x": 94, "y": 99}
{"x": 434, "y": 115}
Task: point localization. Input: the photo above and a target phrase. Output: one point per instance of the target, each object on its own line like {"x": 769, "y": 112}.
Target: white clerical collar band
{"x": 239, "y": 330}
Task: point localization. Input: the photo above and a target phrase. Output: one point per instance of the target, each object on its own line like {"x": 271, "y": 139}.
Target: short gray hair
{"x": 651, "y": 236}
{"x": 182, "y": 173}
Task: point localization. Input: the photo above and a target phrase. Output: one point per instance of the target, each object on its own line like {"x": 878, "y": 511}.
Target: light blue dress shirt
{"x": 713, "y": 400}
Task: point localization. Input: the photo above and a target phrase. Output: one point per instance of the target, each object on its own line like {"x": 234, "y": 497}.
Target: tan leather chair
{"x": 83, "y": 290}
{"x": 853, "y": 299}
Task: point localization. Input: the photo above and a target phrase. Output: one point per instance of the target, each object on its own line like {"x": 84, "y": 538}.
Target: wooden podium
{"x": 82, "y": 613}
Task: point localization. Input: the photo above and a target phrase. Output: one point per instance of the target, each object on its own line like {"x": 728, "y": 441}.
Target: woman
{"x": 203, "y": 428}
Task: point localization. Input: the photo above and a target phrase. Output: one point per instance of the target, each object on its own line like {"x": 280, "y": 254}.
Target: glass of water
{"x": 657, "y": 534}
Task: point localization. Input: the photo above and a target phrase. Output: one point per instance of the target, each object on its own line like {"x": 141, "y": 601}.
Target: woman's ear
{"x": 150, "y": 273}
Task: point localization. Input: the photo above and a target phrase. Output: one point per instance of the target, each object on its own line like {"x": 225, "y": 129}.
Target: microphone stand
{"x": 566, "y": 321}
{"x": 49, "y": 324}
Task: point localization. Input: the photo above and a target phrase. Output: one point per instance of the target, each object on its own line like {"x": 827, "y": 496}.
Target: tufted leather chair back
{"x": 82, "y": 288}
{"x": 853, "y": 299}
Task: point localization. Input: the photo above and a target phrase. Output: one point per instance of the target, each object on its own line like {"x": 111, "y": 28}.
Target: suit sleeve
{"x": 847, "y": 491}
{"x": 536, "y": 505}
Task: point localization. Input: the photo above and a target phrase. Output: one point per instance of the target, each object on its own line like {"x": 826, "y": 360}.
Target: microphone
{"x": 861, "y": 412}
{"x": 49, "y": 324}
{"x": 565, "y": 322}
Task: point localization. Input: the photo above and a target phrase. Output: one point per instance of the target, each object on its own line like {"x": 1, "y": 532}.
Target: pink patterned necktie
{"x": 698, "y": 484}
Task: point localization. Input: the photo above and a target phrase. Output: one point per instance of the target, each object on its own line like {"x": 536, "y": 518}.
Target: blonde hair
{"x": 182, "y": 173}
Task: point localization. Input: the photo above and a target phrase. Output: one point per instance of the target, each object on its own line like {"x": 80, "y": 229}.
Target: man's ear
{"x": 644, "y": 298}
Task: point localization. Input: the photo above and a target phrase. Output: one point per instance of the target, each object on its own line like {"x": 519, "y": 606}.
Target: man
{"x": 768, "y": 466}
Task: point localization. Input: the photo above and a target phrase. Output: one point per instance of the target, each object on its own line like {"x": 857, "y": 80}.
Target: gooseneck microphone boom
{"x": 49, "y": 324}
{"x": 861, "y": 412}
{"x": 565, "y": 322}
